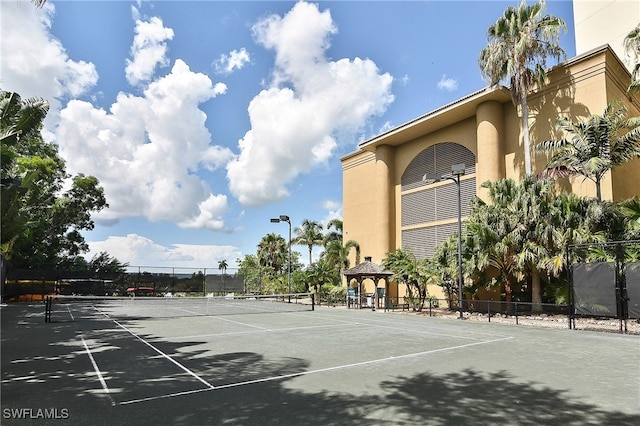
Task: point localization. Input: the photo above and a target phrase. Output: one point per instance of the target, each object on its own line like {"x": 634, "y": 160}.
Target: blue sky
{"x": 204, "y": 119}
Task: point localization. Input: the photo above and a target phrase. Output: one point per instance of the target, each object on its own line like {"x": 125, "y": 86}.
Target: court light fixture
{"x": 457, "y": 170}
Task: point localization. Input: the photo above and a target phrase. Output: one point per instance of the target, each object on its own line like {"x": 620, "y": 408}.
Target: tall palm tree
{"x": 594, "y": 146}
{"x": 519, "y": 43}
{"x": 310, "y": 235}
{"x": 632, "y": 47}
{"x": 273, "y": 252}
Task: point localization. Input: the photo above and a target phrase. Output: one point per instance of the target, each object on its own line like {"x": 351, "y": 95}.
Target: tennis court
{"x": 97, "y": 364}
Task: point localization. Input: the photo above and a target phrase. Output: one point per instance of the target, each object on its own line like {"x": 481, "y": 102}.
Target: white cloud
{"x": 448, "y": 84}
{"x": 149, "y": 148}
{"x": 235, "y": 60}
{"x": 298, "y": 121}
{"x": 331, "y": 205}
{"x": 137, "y": 250}
{"x": 33, "y": 63}
{"x": 148, "y": 50}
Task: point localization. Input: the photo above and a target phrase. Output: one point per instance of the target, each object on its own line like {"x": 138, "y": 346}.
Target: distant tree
{"x": 519, "y": 43}
{"x": 222, "y": 266}
{"x": 310, "y": 235}
{"x": 252, "y": 272}
{"x": 593, "y": 146}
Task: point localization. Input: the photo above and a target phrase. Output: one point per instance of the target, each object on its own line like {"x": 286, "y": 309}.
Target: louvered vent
{"x": 433, "y": 203}
{"x": 423, "y": 241}
{"x": 437, "y": 203}
{"x": 437, "y": 159}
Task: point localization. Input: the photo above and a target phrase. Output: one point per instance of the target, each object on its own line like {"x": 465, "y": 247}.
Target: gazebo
{"x": 368, "y": 270}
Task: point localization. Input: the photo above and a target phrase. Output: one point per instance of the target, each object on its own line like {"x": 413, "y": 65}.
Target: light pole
{"x": 285, "y": 218}
{"x": 457, "y": 170}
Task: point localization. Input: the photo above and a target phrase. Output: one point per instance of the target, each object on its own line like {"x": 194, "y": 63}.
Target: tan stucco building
{"x": 386, "y": 205}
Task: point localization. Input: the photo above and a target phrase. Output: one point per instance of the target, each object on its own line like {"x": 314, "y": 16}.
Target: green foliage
{"x": 321, "y": 273}
{"x": 632, "y": 47}
{"x": 415, "y": 274}
{"x": 592, "y": 147}
{"x": 267, "y": 270}
{"x": 41, "y": 220}
{"x": 310, "y": 235}
{"x": 519, "y": 43}
{"x": 252, "y": 271}
{"x": 521, "y": 236}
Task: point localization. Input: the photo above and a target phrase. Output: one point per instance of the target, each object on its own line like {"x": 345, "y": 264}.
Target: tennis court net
{"x": 73, "y": 308}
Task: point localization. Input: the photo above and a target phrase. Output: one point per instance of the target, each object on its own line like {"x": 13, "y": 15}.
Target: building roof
{"x": 445, "y": 115}
{"x": 367, "y": 269}
{"x": 457, "y": 110}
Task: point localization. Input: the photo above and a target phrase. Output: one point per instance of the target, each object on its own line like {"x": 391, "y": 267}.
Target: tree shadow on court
{"x": 472, "y": 397}
{"x": 46, "y": 366}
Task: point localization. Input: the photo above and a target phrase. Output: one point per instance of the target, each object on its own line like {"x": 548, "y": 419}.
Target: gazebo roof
{"x": 367, "y": 269}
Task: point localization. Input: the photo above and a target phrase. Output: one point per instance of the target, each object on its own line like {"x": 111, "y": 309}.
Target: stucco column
{"x": 490, "y": 154}
{"x": 385, "y": 207}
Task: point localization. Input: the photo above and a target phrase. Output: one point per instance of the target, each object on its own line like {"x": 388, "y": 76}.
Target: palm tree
{"x": 336, "y": 235}
{"x": 513, "y": 232}
{"x": 490, "y": 229}
{"x": 273, "y": 252}
{"x": 222, "y": 266}
{"x": 519, "y": 43}
{"x": 19, "y": 120}
{"x": 631, "y": 209}
{"x": 594, "y": 146}
{"x": 632, "y": 47}
{"x": 309, "y": 234}
{"x": 321, "y": 273}
{"x": 338, "y": 254}
{"x": 415, "y": 273}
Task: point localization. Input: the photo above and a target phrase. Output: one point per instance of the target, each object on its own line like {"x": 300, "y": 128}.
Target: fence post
{"x": 516, "y": 303}
{"x": 489, "y": 310}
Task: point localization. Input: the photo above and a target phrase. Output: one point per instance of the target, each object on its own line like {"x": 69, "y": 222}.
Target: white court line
{"x": 199, "y": 314}
{"x": 309, "y": 372}
{"x": 208, "y": 385}
{"x": 379, "y": 322}
{"x": 167, "y": 357}
{"x": 274, "y": 330}
{"x": 103, "y": 382}
{"x": 97, "y": 370}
